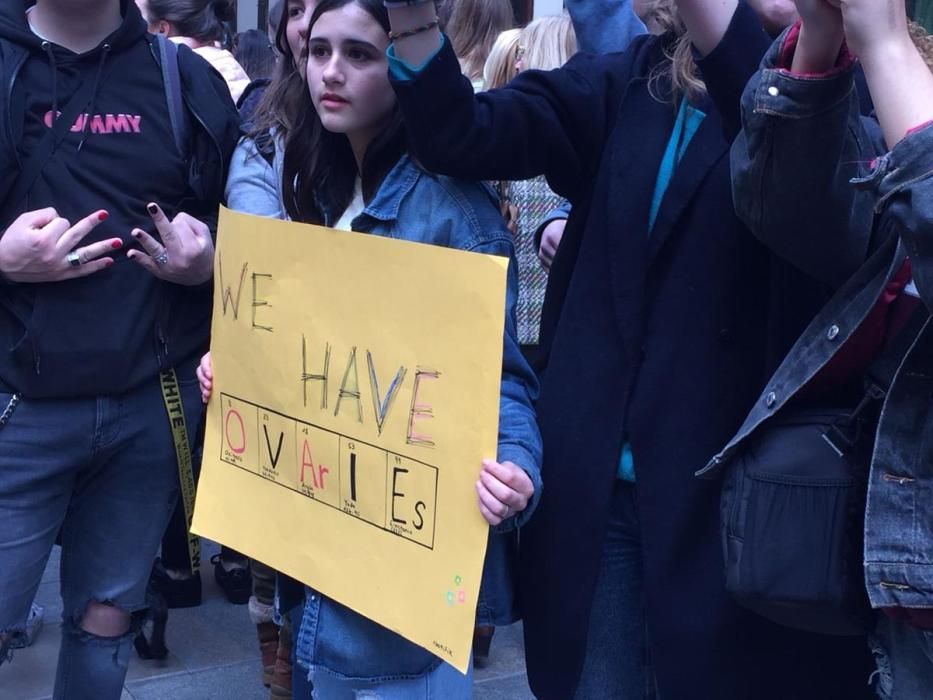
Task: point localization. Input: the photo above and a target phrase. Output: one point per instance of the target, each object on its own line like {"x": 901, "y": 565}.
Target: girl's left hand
{"x": 503, "y": 490}
{"x": 550, "y": 241}
{"x": 205, "y": 374}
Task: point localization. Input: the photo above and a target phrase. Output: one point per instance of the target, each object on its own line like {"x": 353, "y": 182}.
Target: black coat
{"x": 662, "y": 339}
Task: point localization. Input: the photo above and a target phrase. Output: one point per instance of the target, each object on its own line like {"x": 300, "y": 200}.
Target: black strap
{"x": 171, "y": 395}
{"x": 845, "y": 435}
{"x": 171, "y": 80}
{"x": 881, "y": 372}
{"x": 44, "y": 150}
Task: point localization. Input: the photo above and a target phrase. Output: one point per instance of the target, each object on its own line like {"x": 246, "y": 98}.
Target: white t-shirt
{"x": 354, "y": 208}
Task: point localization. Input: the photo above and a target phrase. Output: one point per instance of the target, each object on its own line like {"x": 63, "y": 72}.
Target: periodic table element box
{"x": 356, "y": 393}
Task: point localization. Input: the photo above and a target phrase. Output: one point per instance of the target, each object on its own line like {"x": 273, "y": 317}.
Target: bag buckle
{"x": 838, "y": 440}
{"x": 843, "y": 435}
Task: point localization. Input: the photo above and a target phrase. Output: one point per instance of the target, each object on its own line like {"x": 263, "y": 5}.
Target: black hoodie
{"x": 111, "y": 331}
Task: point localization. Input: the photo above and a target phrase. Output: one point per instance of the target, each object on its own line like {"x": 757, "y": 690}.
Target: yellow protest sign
{"x": 356, "y": 392}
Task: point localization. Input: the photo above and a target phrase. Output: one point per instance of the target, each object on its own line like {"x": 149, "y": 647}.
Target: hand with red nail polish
{"x": 41, "y": 246}
{"x": 183, "y": 255}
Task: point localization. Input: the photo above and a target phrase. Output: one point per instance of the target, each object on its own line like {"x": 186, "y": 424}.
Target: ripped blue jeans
{"x": 102, "y": 471}
{"x": 904, "y": 656}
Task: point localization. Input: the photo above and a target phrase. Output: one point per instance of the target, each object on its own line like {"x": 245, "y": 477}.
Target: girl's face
{"x": 347, "y": 74}
{"x": 297, "y": 17}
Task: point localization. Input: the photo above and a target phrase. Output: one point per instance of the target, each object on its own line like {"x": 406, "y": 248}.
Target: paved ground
{"x": 213, "y": 654}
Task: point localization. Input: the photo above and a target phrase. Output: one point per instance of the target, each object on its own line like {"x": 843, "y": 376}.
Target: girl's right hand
{"x": 821, "y": 36}
{"x": 875, "y": 28}
{"x": 504, "y": 490}
{"x": 417, "y": 48}
{"x": 550, "y": 241}
{"x": 898, "y": 77}
{"x": 205, "y": 374}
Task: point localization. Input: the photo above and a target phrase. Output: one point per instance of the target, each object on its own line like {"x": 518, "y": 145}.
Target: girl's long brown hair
{"x": 278, "y": 110}
{"x": 319, "y": 170}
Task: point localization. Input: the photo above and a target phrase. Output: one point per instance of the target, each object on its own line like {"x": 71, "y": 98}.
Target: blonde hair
{"x": 923, "y": 41}
{"x": 547, "y": 43}
{"x": 663, "y": 18}
{"x": 472, "y": 27}
{"x": 501, "y": 66}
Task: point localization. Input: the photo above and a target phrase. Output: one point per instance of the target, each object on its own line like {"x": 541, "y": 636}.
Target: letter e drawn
{"x": 257, "y": 302}
{"x": 396, "y": 494}
{"x": 420, "y": 411}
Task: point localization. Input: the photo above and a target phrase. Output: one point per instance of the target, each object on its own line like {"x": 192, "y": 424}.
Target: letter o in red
{"x": 232, "y": 413}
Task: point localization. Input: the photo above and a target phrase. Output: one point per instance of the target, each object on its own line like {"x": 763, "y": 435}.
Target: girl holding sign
{"x": 345, "y": 164}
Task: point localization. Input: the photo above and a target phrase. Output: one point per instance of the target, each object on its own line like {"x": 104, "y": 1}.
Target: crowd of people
{"x": 714, "y": 473}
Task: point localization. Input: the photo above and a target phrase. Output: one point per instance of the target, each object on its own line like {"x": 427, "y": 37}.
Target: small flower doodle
{"x": 457, "y": 594}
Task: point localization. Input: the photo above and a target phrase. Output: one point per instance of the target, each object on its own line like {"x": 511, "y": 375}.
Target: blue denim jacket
{"x": 601, "y": 26}
{"x": 812, "y": 180}
{"x": 604, "y": 26}
{"x": 417, "y": 206}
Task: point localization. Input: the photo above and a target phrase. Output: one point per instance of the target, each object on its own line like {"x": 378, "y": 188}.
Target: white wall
{"x": 548, "y": 7}
{"x": 247, "y": 14}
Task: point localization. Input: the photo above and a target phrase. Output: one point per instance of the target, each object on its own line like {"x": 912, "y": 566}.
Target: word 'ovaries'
{"x": 348, "y": 396}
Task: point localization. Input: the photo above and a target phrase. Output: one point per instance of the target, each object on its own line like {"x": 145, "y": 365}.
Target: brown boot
{"x": 281, "y": 688}
{"x": 268, "y": 633}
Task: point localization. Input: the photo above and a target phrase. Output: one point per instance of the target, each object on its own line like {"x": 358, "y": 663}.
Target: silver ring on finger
{"x": 161, "y": 258}
{"x": 73, "y": 259}
{"x": 508, "y": 512}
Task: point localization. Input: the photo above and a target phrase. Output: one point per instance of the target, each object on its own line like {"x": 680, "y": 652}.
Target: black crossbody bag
{"x": 793, "y": 506}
